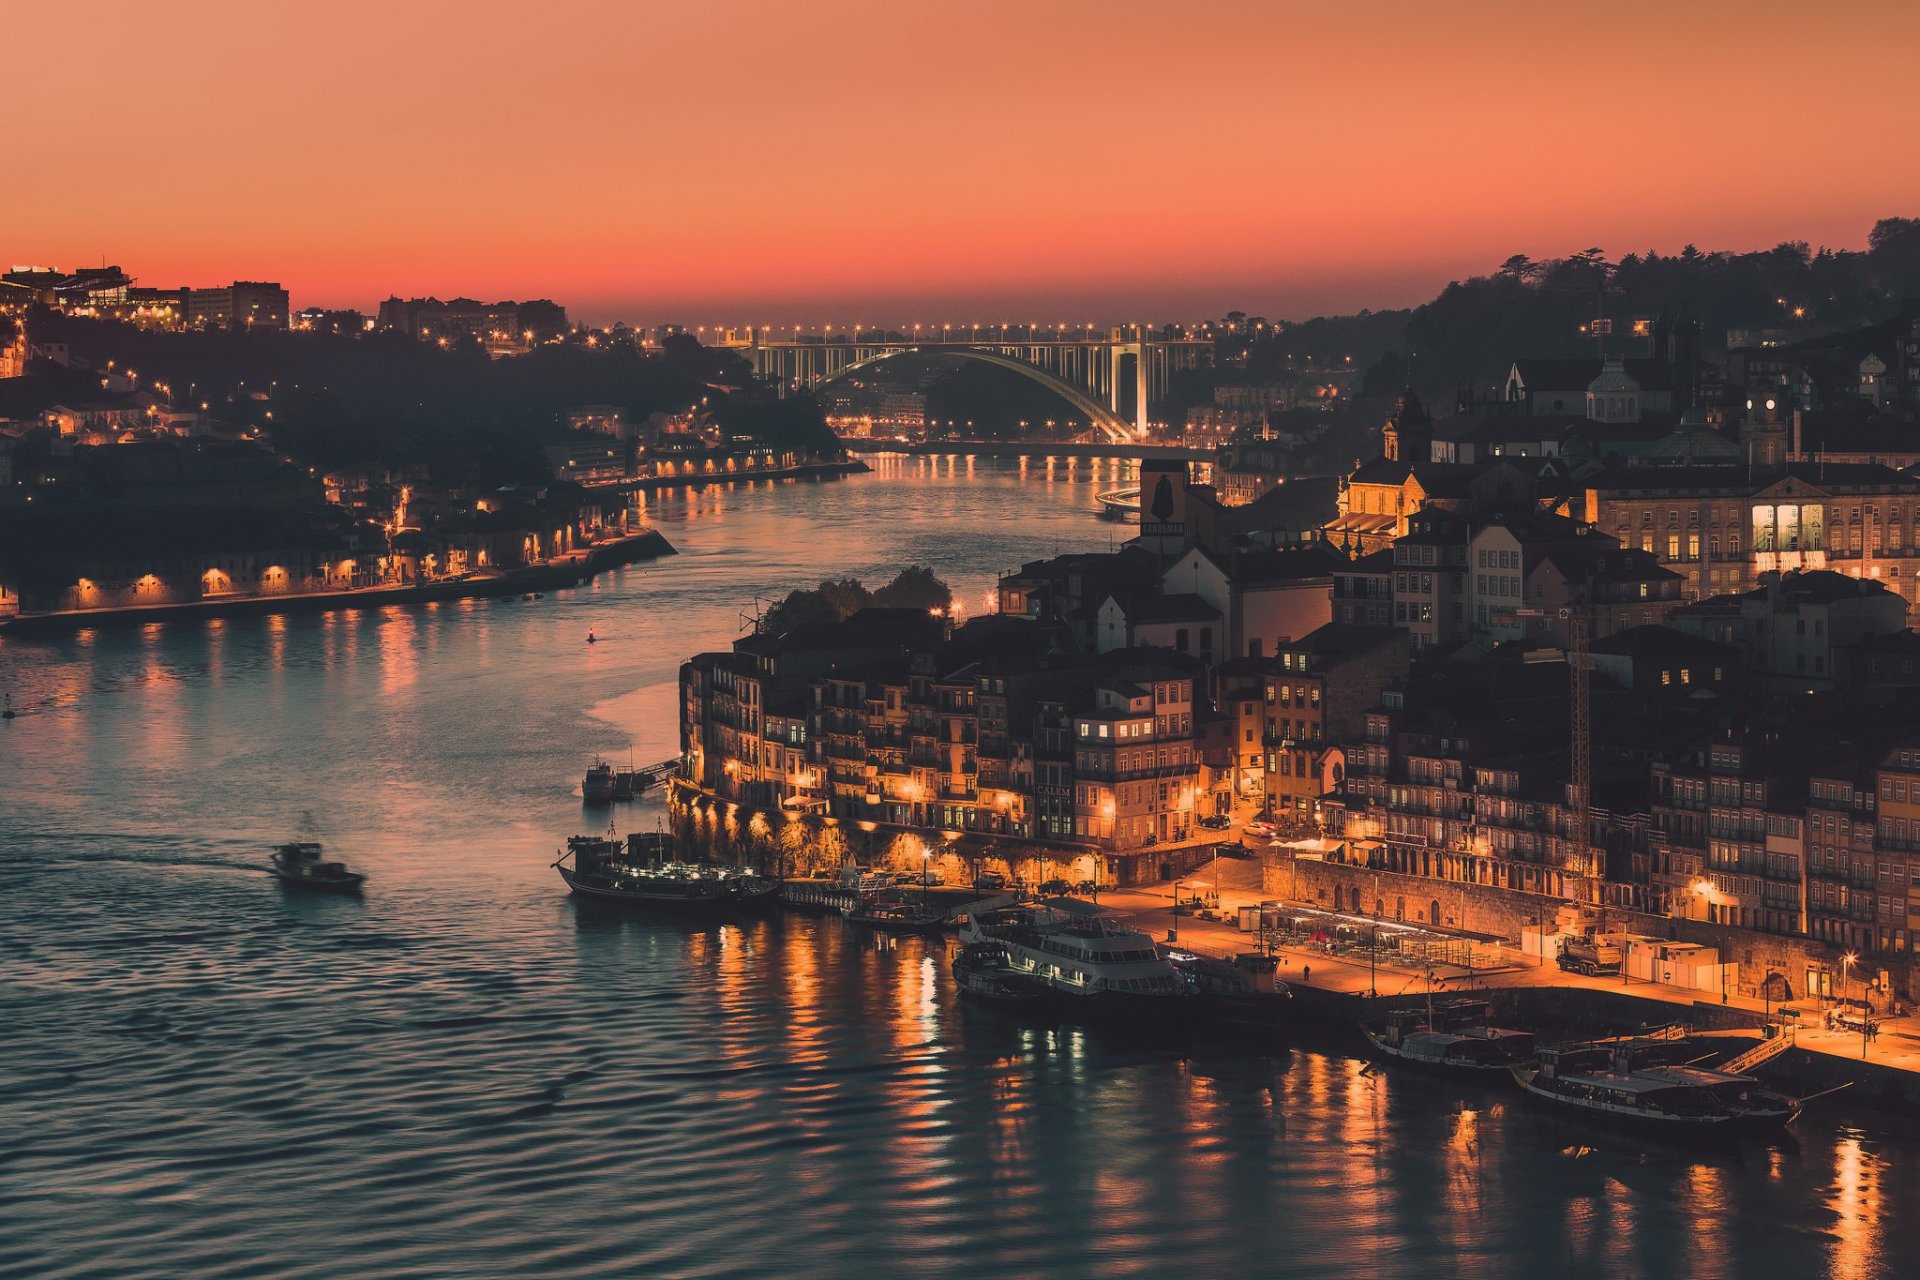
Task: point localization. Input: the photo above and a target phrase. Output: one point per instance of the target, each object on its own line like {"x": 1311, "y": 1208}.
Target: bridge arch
{"x": 1117, "y": 428}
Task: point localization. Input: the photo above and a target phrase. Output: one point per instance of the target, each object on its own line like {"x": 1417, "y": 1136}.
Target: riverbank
{"x": 1337, "y": 991}
{"x": 550, "y": 575}
{"x": 700, "y": 480}
{"x": 1032, "y": 449}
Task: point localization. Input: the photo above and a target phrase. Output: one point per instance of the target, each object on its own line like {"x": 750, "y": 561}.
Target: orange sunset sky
{"x": 752, "y": 161}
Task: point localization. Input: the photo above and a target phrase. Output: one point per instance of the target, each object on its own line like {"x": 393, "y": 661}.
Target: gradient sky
{"x": 895, "y": 161}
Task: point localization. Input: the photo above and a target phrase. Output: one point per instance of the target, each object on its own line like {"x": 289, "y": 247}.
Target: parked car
{"x": 1087, "y": 887}
{"x": 990, "y": 880}
{"x": 1055, "y": 888}
{"x": 1232, "y": 850}
{"x": 1216, "y": 822}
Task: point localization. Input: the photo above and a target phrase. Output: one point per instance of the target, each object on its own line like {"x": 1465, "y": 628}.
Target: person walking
{"x": 1306, "y": 973}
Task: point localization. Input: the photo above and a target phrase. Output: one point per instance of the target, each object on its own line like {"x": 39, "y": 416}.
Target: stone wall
{"x": 1388, "y": 895}
{"x": 1391, "y": 895}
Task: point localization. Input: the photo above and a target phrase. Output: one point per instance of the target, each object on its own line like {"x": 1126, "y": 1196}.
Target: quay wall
{"x": 699, "y": 480}
{"x": 1034, "y": 449}
{"x": 1502, "y": 913}
{"x": 549, "y": 576}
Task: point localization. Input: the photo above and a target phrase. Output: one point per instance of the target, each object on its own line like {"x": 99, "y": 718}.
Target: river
{"x": 465, "y": 1075}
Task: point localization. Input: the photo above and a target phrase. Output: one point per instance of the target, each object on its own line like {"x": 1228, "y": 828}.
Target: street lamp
{"x": 1866, "y": 1022}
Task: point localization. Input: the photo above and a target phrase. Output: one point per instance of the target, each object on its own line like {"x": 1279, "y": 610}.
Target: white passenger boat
{"x": 1081, "y": 953}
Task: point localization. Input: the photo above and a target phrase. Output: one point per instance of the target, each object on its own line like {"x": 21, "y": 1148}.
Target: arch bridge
{"x": 1091, "y": 373}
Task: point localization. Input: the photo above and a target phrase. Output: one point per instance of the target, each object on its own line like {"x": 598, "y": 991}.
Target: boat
{"x": 1087, "y": 958}
{"x": 303, "y": 865}
{"x": 1239, "y": 996}
{"x": 597, "y": 786}
{"x": 1453, "y": 1038}
{"x": 640, "y": 871}
{"x": 1606, "y": 1082}
{"x": 893, "y": 914}
{"x": 984, "y": 971}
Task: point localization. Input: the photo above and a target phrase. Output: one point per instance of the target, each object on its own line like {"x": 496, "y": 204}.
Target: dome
{"x": 1613, "y": 380}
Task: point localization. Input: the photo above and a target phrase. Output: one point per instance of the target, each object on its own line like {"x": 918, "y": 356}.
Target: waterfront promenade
{"x": 564, "y": 570}
{"x": 1896, "y": 1047}
{"x": 1033, "y": 449}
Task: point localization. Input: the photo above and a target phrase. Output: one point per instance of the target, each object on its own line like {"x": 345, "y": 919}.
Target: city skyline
{"x": 690, "y": 166}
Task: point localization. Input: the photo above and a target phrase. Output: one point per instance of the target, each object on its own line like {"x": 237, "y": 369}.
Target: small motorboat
{"x": 893, "y": 914}
{"x": 597, "y": 786}
{"x": 303, "y": 865}
{"x": 984, "y": 971}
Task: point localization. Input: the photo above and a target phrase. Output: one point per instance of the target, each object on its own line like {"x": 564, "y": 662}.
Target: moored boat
{"x": 1605, "y": 1083}
{"x": 893, "y": 914}
{"x": 1088, "y": 959}
{"x": 640, "y": 872}
{"x": 1238, "y": 996}
{"x": 303, "y": 865}
{"x": 597, "y": 786}
{"x": 1454, "y": 1038}
{"x": 984, "y": 971}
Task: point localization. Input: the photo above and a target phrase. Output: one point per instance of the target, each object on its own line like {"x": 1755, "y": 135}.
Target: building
{"x": 1737, "y": 806}
{"x": 245, "y": 304}
{"x": 1842, "y": 902}
{"x": 1799, "y": 630}
{"x": 1572, "y": 385}
{"x": 1897, "y": 853}
{"x": 1363, "y": 589}
{"x": 1661, "y": 663}
{"x": 1316, "y": 695}
{"x": 1429, "y": 586}
{"x": 1183, "y": 623}
{"x": 1722, "y": 527}
{"x": 1379, "y": 498}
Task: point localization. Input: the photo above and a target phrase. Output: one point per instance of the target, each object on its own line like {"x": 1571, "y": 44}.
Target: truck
{"x": 1594, "y": 956}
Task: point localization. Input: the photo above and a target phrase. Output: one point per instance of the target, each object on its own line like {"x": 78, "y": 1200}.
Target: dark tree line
{"x": 384, "y": 399}
{"x": 836, "y": 599}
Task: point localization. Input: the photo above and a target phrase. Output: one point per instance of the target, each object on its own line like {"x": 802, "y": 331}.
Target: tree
{"x": 915, "y": 587}
{"x": 1518, "y": 268}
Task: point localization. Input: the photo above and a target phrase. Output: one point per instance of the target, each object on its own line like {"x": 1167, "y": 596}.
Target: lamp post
{"x": 1373, "y": 957}
{"x": 1847, "y": 962}
{"x": 1173, "y": 920}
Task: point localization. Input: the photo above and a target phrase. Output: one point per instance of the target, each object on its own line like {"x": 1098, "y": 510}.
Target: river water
{"x": 466, "y": 1075}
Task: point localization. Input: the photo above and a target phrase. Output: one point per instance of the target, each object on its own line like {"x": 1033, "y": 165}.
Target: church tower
{"x": 1408, "y": 435}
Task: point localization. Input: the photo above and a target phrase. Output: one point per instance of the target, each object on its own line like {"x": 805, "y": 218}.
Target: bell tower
{"x": 1408, "y": 435}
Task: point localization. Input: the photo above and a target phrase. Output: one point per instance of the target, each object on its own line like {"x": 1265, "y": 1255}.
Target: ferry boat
{"x": 1605, "y": 1083}
{"x": 597, "y": 786}
{"x": 984, "y": 971}
{"x": 1088, "y": 957}
{"x": 640, "y": 872}
{"x": 303, "y": 865}
{"x": 1453, "y": 1038}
